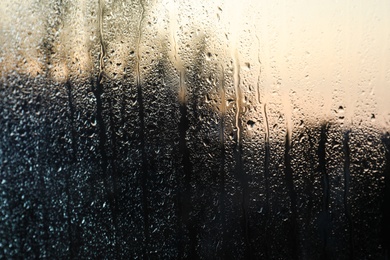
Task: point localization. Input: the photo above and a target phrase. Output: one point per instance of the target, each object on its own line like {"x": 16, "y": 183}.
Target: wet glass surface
{"x": 172, "y": 129}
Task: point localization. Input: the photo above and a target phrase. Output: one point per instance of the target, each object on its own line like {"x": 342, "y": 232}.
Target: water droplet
{"x": 251, "y": 124}
{"x": 208, "y": 56}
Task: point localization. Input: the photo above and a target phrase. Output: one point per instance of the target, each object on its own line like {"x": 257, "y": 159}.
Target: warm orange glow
{"x": 299, "y": 57}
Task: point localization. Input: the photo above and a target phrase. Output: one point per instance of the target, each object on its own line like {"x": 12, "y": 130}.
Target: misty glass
{"x": 168, "y": 129}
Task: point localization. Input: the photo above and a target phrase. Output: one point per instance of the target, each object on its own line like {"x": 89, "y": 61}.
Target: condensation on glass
{"x": 194, "y": 129}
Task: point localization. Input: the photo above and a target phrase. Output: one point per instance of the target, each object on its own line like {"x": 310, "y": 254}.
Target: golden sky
{"x": 308, "y": 57}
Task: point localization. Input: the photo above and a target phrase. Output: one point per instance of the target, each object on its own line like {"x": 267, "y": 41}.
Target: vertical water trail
{"x": 184, "y": 189}
{"x": 185, "y": 200}
{"x": 309, "y": 155}
{"x": 288, "y": 174}
{"x": 267, "y": 151}
{"x": 222, "y": 202}
{"x": 322, "y": 167}
{"x": 309, "y": 187}
{"x": 239, "y": 168}
{"x": 53, "y": 24}
{"x": 182, "y": 88}
{"x": 72, "y": 123}
{"x": 186, "y": 195}
{"x": 236, "y": 78}
{"x": 267, "y": 143}
{"x": 98, "y": 91}
{"x": 181, "y": 191}
{"x": 178, "y": 63}
{"x": 223, "y": 104}
{"x": 114, "y": 172}
{"x": 347, "y": 176}
{"x": 101, "y": 41}
{"x": 267, "y": 176}
{"x": 185, "y": 225}
{"x": 324, "y": 217}
{"x": 73, "y": 241}
{"x": 144, "y": 169}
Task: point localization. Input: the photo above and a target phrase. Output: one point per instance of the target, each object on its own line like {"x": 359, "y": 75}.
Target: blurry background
{"x": 169, "y": 129}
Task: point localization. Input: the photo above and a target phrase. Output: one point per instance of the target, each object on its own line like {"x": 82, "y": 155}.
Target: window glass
{"x": 194, "y": 129}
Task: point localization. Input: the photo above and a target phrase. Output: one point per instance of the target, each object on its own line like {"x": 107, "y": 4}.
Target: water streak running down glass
{"x": 176, "y": 129}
